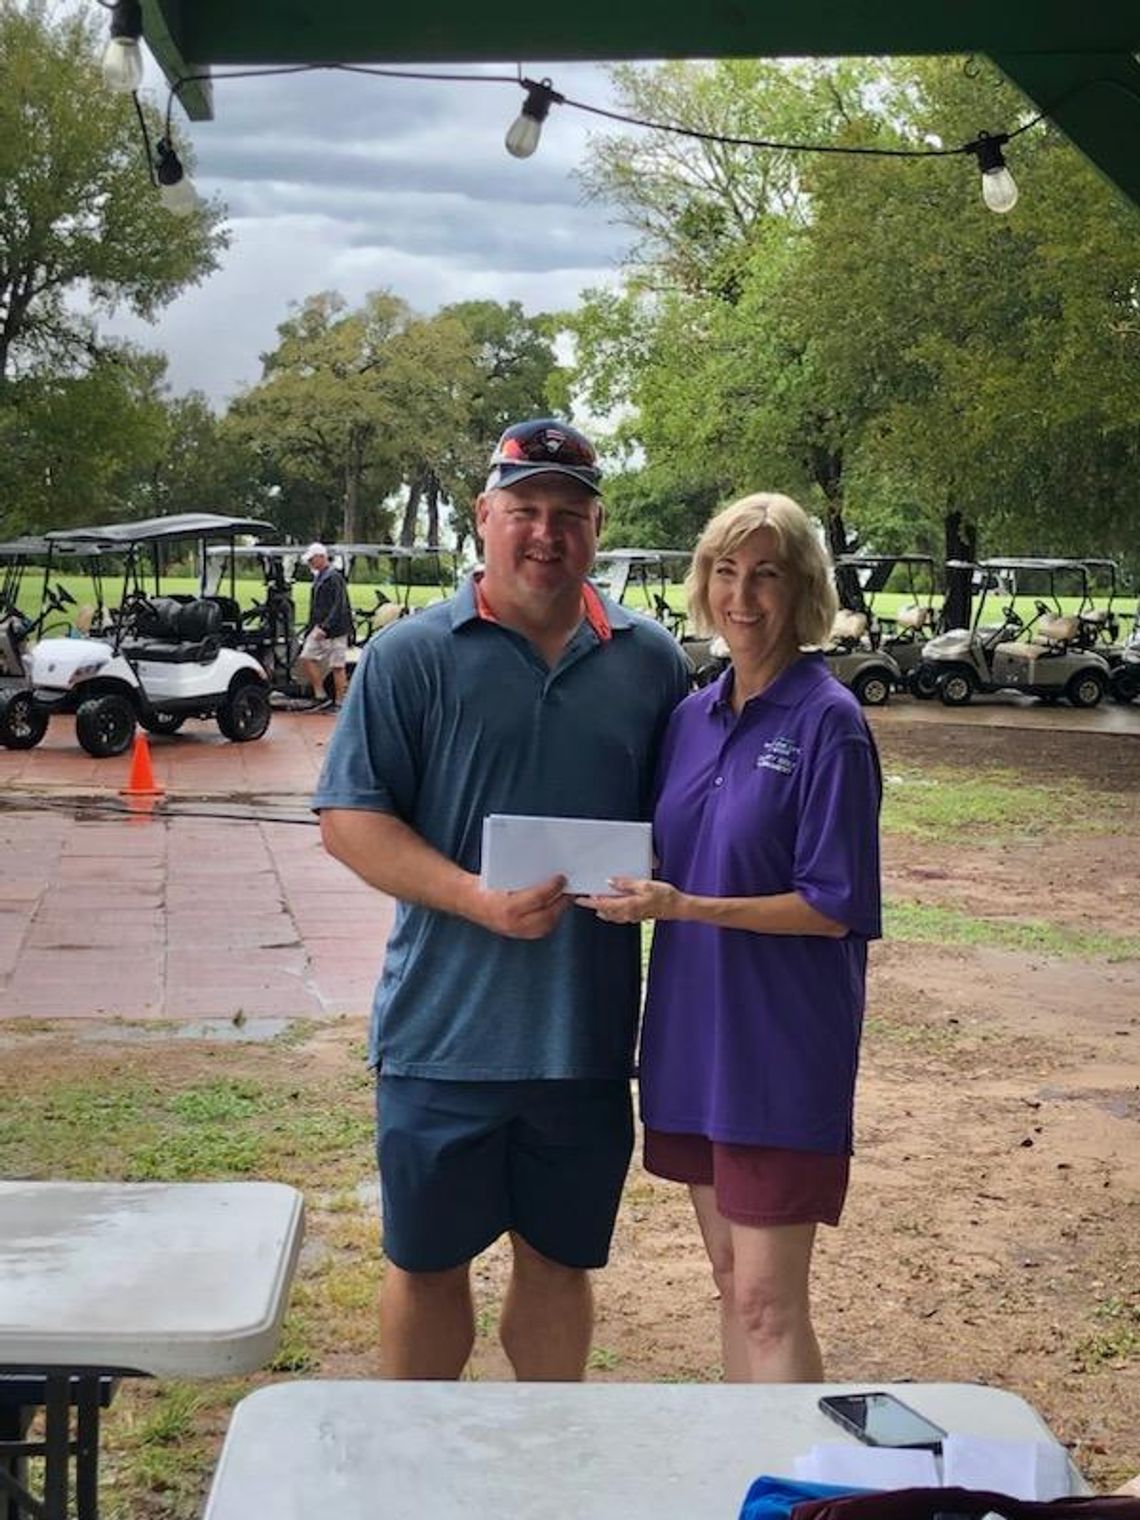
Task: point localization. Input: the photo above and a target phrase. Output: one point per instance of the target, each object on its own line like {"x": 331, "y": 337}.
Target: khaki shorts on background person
{"x": 328, "y": 654}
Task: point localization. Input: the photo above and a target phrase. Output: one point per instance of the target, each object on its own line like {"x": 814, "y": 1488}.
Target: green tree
{"x": 353, "y": 403}
{"x": 74, "y": 447}
{"x": 515, "y": 375}
{"x": 78, "y": 213}
{"x": 885, "y": 347}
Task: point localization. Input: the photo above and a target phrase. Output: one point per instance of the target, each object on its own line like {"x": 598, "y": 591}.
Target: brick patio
{"x": 179, "y": 917}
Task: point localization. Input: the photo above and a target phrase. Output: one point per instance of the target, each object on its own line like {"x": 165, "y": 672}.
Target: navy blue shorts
{"x": 462, "y": 1162}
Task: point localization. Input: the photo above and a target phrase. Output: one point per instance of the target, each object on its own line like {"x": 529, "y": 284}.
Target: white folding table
{"x": 184, "y": 1280}
{"x": 527, "y": 1451}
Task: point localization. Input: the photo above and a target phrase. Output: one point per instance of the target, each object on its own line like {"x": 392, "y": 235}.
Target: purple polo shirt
{"x": 752, "y": 1038}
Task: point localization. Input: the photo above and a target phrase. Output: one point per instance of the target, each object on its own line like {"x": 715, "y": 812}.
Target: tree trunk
{"x": 351, "y": 495}
{"x": 433, "y": 508}
{"x": 827, "y": 471}
{"x": 411, "y": 512}
{"x": 961, "y": 544}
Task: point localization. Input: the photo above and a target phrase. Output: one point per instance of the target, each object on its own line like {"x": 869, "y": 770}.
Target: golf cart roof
{"x": 1032, "y": 564}
{"x": 853, "y": 561}
{"x": 16, "y": 548}
{"x": 250, "y": 551}
{"x": 393, "y": 551}
{"x": 646, "y": 556}
{"x": 158, "y": 529}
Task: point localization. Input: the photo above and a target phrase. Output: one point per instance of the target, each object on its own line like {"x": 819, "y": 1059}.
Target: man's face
{"x": 539, "y": 536}
{"x": 318, "y": 563}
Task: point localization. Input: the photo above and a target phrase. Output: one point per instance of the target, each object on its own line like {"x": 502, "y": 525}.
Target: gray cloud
{"x": 335, "y": 181}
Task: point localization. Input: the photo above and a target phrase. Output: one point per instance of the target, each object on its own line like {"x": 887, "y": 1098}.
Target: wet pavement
{"x": 231, "y": 922}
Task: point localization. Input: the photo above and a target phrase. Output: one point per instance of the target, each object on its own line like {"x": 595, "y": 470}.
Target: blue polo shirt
{"x": 449, "y": 717}
{"x": 753, "y": 1039}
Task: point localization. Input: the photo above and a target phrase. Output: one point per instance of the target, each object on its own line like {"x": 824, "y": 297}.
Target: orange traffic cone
{"x": 141, "y": 782}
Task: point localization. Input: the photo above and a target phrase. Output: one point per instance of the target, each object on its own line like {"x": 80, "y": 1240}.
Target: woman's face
{"x": 752, "y": 599}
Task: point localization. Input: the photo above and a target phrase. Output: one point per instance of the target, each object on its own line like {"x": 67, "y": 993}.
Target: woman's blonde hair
{"x": 801, "y": 550}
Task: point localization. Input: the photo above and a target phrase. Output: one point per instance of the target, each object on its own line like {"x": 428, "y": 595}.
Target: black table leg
{"x": 57, "y": 1444}
{"x": 87, "y": 1449}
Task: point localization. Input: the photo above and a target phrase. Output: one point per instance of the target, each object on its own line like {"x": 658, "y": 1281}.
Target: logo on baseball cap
{"x": 544, "y": 446}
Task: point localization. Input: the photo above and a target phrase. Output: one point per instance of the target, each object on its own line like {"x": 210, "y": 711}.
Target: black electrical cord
{"x": 111, "y": 807}
{"x": 622, "y": 117}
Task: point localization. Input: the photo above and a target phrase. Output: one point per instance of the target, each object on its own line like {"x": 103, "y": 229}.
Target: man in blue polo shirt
{"x": 503, "y": 1024}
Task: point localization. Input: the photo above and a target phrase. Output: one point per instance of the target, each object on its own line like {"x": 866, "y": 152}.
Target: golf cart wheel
{"x": 22, "y": 723}
{"x": 105, "y": 725}
{"x": 1086, "y": 688}
{"x": 162, "y": 722}
{"x": 245, "y": 713}
{"x": 872, "y": 687}
{"x": 956, "y": 688}
{"x": 923, "y": 683}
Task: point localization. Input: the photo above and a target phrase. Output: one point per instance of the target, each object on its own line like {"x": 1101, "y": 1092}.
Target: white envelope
{"x": 521, "y": 851}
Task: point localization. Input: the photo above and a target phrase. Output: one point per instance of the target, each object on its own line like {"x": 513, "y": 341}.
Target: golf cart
{"x": 268, "y": 629}
{"x": 853, "y": 657}
{"x": 395, "y": 566}
{"x": 1124, "y": 682}
{"x": 1099, "y": 621}
{"x": 22, "y": 723}
{"x": 1042, "y": 657}
{"x": 640, "y": 578}
{"x": 859, "y": 578}
{"x": 162, "y": 660}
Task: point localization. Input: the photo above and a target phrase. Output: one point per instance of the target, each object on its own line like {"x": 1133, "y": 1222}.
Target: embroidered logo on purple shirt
{"x": 781, "y": 755}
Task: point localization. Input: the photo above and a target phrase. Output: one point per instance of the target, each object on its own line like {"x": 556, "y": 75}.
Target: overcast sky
{"x": 337, "y": 181}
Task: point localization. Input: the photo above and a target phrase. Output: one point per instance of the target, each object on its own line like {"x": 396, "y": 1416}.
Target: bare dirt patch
{"x": 993, "y": 1227}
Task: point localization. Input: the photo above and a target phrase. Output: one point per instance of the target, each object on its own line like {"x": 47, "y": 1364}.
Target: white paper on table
{"x": 521, "y": 851}
{"x": 1021, "y": 1469}
{"x": 868, "y": 1466}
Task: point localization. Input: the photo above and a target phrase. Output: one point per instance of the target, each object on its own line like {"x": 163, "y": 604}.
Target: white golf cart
{"x": 22, "y": 723}
{"x": 163, "y": 660}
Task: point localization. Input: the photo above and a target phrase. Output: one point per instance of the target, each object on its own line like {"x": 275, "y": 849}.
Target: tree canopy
{"x": 863, "y": 332}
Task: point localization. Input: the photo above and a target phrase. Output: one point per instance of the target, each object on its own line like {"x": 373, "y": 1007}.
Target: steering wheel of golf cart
{"x": 135, "y": 606}
{"x": 1012, "y": 617}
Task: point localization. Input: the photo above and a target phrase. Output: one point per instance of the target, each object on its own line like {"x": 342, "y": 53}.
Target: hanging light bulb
{"x": 175, "y": 189}
{"x": 999, "y": 188}
{"x": 122, "y": 59}
{"x": 526, "y": 129}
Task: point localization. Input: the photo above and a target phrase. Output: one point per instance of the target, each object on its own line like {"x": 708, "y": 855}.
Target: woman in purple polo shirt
{"x": 766, "y": 829}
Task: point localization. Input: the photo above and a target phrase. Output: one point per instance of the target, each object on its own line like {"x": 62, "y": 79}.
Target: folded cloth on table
{"x": 964, "y": 1504}
{"x": 770, "y": 1498}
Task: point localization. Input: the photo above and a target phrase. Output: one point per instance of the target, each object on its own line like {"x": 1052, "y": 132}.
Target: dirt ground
{"x": 993, "y": 1226}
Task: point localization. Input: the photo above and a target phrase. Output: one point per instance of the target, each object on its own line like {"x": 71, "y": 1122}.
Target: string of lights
{"x": 123, "y": 71}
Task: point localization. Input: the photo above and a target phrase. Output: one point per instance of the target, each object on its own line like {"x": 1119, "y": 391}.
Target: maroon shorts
{"x": 754, "y": 1184}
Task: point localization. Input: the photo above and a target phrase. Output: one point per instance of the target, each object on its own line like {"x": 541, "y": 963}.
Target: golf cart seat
{"x": 849, "y": 627}
{"x": 186, "y": 633}
{"x": 1056, "y": 630}
{"x": 914, "y": 617}
{"x": 1096, "y": 616}
{"x": 1019, "y": 649}
{"x": 230, "y": 610}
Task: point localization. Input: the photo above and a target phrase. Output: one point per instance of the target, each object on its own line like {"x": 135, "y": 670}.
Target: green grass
{"x": 941, "y": 804}
{"x": 362, "y": 594}
{"x": 228, "y": 1128}
{"x": 1116, "y": 1341}
{"x": 922, "y": 924}
{"x": 125, "y": 1118}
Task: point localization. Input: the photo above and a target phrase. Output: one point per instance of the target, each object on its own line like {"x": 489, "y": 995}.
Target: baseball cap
{"x": 312, "y": 551}
{"x": 544, "y": 446}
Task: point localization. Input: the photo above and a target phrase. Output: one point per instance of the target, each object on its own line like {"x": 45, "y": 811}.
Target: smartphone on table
{"x": 880, "y": 1419}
